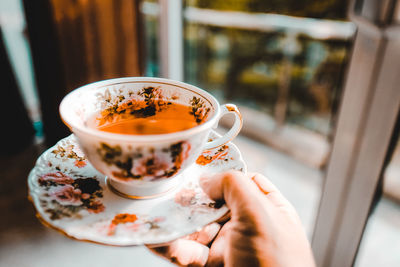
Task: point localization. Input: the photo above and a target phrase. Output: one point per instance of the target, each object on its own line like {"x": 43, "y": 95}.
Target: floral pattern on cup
{"x": 198, "y": 109}
{"x": 152, "y": 163}
{"x": 126, "y": 157}
{"x": 64, "y": 196}
{"x": 150, "y": 102}
{"x": 146, "y": 102}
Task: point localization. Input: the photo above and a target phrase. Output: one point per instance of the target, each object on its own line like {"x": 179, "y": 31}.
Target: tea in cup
{"x": 142, "y": 133}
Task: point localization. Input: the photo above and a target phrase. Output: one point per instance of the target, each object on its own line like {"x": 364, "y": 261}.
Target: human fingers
{"x": 192, "y": 252}
{"x": 269, "y": 189}
{"x": 224, "y": 218}
{"x": 218, "y": 247}
{"x": 205, "y": 235}
{"x": 241, "y": 194}
{"x": 184, "y": 252}
{"x": 263, "y": 183}
{"x": 229, "y": 186}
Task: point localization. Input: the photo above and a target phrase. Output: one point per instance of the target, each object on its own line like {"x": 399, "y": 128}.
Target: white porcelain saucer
{"x": 73, "y": 198}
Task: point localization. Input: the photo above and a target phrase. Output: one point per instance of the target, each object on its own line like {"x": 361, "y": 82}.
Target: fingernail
{"x": 208, "y": 233}
{"x": 204, "y": 255}
{"x": 189, "y": 252}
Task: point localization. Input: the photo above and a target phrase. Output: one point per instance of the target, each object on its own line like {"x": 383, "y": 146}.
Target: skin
{"x": 263, "y": 230}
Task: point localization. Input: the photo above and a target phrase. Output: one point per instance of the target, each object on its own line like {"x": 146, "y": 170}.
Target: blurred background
{"x": 283, "y": 62}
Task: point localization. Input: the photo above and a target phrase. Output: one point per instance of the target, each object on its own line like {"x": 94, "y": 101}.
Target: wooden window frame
{"x": 367, "y": 118}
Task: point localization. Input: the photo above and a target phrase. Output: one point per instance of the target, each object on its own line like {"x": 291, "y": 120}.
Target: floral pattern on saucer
{"x": 65, "y": 197}
{"x": 72, "y": 197}
{"x": 215, "y": 156}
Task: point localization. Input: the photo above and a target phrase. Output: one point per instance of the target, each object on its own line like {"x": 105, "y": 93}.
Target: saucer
{"x": 72, "y": 197}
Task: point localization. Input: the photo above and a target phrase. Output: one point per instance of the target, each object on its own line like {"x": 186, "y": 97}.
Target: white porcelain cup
{"x": 144, "y": 166}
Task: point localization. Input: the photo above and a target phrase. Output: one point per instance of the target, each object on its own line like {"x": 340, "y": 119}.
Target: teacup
{"x": 144, "y": 166}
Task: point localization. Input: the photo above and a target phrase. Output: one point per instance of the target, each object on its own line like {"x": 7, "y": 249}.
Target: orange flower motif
{"x": 124, "y": 218}
{"x": 206, "y": 158}
{"x": 120, "y": 219}
{"x": 80, "y": 163}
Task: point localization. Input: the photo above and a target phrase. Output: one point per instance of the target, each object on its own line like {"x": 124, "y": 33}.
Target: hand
{"x": 264, "y": 229}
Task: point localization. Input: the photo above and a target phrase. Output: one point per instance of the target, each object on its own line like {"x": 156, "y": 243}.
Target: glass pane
{"x": 380, "y": 245}
{"x": 283, "y": 64}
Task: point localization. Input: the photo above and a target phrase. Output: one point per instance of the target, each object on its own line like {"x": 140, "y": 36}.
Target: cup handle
{"x": 237, "y": 125}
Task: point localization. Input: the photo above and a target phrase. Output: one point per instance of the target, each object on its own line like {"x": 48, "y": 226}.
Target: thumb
{"x": 233, "y": 187}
